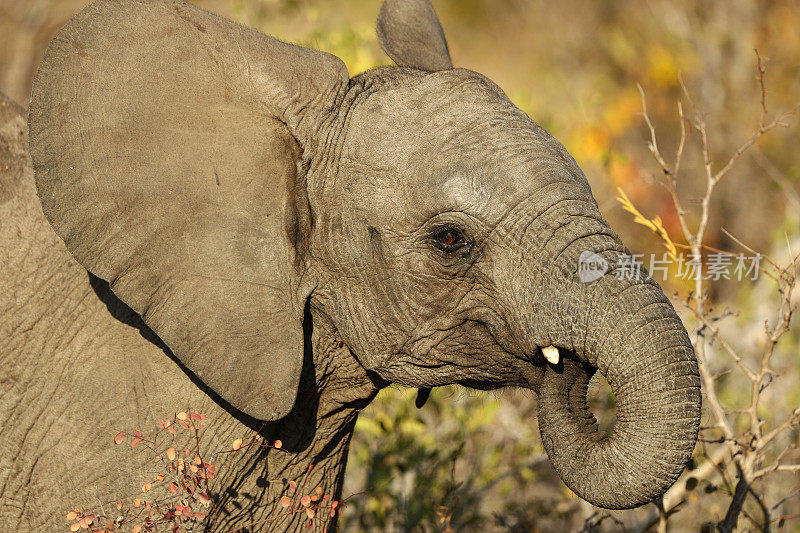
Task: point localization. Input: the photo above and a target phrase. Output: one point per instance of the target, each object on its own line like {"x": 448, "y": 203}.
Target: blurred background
{"x": 471, "y": 460}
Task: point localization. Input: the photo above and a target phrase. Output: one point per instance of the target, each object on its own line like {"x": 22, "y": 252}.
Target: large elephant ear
{"x": 165, "y": 142}
{"x": 411, "y": 35}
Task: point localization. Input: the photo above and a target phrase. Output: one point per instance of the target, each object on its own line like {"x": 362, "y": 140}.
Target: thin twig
{"x": 744, "y": 448}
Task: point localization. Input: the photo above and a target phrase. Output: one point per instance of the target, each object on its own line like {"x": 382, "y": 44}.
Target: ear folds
{"x": 165, "y": 142}
{"x": 411, "y": 35}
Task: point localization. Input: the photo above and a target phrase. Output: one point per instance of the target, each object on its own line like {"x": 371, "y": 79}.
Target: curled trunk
{"x": 641, "y": 347}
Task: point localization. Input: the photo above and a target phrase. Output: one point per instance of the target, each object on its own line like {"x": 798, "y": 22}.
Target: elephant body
{"x": 211, "y": 220}
{"x": 82, "y": 366}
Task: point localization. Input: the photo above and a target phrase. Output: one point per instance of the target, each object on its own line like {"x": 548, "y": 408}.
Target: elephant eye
{"x": 449, "y": 239}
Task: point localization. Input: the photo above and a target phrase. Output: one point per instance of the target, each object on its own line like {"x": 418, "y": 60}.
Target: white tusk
{"x": 551, "y": 354}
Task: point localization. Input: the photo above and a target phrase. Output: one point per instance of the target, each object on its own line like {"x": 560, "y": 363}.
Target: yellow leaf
{"x": 655, "y": 225}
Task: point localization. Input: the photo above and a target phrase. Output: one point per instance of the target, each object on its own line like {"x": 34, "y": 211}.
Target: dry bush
{"x": 178, "y": 493}
{"x": 748, "y": 434}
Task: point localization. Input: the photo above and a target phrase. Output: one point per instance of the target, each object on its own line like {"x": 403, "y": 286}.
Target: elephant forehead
{"x": 449, "y": 141}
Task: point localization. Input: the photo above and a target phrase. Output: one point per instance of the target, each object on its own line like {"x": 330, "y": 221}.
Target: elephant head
{"x": 221, "y": 181}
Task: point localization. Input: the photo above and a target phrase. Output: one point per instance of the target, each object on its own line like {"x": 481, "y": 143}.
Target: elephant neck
{"x": 315, "y": 438}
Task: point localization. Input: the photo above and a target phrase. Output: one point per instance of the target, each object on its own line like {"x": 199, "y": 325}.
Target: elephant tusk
{"x": 551, "y": 354}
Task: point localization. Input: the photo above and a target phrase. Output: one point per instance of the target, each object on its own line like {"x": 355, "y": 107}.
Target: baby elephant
{"x": 269, "y": 242}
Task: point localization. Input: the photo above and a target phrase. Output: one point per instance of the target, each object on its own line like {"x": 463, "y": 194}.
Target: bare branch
{"x": 743, "y": 447}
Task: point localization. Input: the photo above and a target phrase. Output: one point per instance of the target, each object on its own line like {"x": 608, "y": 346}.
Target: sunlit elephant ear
{"x": 411, "y": 35}
{"x": 165, "y": 142}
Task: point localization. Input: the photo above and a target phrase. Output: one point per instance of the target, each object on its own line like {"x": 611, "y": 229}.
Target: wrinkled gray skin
{"x": 286, "y": 241}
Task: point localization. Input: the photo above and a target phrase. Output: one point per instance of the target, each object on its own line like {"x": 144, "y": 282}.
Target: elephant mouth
{"x": 585, "y": 397}
{"x": 587, "y": 400}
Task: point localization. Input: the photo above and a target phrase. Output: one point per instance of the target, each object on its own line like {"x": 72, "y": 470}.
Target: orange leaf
{"x": 72, "y": 515}
{"x": 237, "y": 444}
{"x": 146, "y": 487}
{"x": 194, "y": 416}
{"x": 293, "y": 485}
{"x": 136, "y": 529}
{"x": 173, "y": 488}
{"x": 197, "y": 460}
{"x": 305, "y": 501}
{"x": 286, "y": 501}
{"x": 135, "y": 442}
{"x": 311, "y": 513}
{"x": 161, "y": 476}
{"x": 75, "y": 527}
{"x": 119, "y": 437}
{"x": 318, "y": 490}
{"x": 137, "y": 502}
{"x": 309, "y": 524}
{"x": 137, "y": 433}
{"x": 278, "y": 444}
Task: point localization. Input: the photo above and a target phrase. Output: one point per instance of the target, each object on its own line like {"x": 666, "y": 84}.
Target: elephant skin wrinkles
{"x": 65, "y": 395}
{"x": 271, "y": 242}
